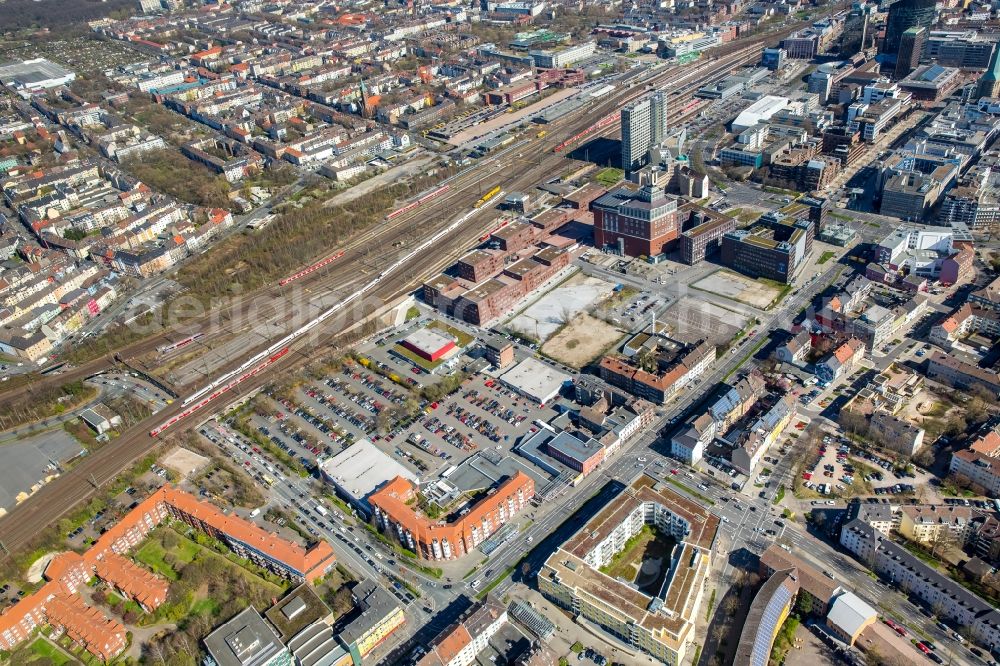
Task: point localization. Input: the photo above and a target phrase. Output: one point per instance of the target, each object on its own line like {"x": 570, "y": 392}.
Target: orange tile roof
{"x": 846, "y": 351}
{"x": 392, "y": 500}
{"x": 146, "y": 588}
{"x": 988, "y": 445}
{"x": 450, "y": 646}
{"x": 311, "y": 563}
{"x": 87, "y": 625}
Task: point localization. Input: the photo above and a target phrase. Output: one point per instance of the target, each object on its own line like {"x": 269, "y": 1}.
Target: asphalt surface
{"x": 58, "y": 497}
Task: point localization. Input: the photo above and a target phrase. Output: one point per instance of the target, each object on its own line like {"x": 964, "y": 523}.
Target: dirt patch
{"x": 739, "y": 288}
{"x": 184, "y": 461}
{"x": 37, "y": 567}
{"x": 582, "y": 340}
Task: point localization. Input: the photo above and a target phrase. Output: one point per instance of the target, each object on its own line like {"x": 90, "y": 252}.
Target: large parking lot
{"x": 317, "y": 419}
{"x": 841, "y": 469}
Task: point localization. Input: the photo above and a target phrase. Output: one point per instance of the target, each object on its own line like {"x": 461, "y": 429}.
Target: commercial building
{"x": 428, "y": 344}
{"x": 636, "y": 223}
{"x": 661, "y": 624}
{"x": 396, "y": 512}
{"x": 768, "y": 611}
{"x": 962, "y": 50}
{"x": 359, "y": 470}
{"x": 910, "y": 49}
{"x": 949, "y": 600}
{"x": 930, "y": 83}
{"x": 903, "y": 15}
{"x": 776, "y": 254}
{"x": 643, "y": 125}
{"x": 499, "y": 350}
{"x": 246, "y": 640}
{"x": 459, "y": 643}
{"x": 858, "y": 33}
{"x": 564, "y": 56}
{"x": 705, "y": 238}
{"x": 758, "y": 112}
{"x": 536, "y": 381}
{"x": 30, "y": 76}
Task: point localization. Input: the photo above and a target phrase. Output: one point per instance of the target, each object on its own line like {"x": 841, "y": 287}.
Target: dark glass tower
{"x": 904, "y": 15}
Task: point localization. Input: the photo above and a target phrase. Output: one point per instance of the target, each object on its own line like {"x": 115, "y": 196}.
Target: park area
{"x": 644, "y": 561}
{"x": 760, "y": 293}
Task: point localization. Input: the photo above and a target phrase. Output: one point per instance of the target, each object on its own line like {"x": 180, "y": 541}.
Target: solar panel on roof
{"x": 933, "y": 72}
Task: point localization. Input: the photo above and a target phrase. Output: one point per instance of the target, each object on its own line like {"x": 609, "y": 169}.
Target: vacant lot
{"x": 739, "y": 288}
{"x": 693, "y": 319}
{"x": 582, "y": 340}
{"x": 546, "y": 315}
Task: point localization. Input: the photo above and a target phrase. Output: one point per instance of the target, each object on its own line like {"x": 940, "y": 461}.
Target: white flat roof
{"x": 428, "y": 340}
{"x": 362, "y": 468}
{"x": 534, "y": 379}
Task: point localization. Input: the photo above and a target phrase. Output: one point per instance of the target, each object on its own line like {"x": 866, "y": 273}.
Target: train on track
{"x": 163, "y": 349}
{"x": 311, "y": 269}
{"x": 155, "y": 432}
{"x": 485, "y": 199}
{"x": 419, "y": 202}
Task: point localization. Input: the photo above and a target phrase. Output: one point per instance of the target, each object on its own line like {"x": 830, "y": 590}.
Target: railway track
{"x": 62, "y": 494}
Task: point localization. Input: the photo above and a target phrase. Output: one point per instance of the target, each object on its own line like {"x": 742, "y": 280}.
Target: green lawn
{"x": 205, "y": 606}
{"x": 826, "y": 256}
{"x": 609, "y": 177}
{"x": 420, "y": 361}
{"x": 152, "y": 555}
{"x": 461, "y": 336}
{"x": 43, "y": 648}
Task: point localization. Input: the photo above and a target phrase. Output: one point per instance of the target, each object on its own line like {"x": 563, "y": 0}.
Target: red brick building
{"x": 637, "y": 223}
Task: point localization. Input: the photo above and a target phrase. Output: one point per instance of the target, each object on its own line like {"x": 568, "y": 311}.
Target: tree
{"x": 804, "y": 603}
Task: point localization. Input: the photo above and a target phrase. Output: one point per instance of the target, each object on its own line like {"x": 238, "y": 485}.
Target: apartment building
{"x": 662, "y": 625}
{"x": 981, "y": 469}
{"x": 675, "y": 367}
{"x": 936, "y": 524}
{"x": 462, "y": 641}
{"x": 395, "y": 512}
{"x": 842, "y": 361}
{"x": 957, "y": 372}
{"x": 949, "y": 600}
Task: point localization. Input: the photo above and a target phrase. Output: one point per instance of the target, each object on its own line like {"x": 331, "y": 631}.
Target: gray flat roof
{"x": 535, "y": 379}
{"x": 245, "y": 640}
{"x": 362, "y": 468}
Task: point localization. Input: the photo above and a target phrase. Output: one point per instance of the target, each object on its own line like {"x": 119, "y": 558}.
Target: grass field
{"x": 461, "y": 336}
{"x": 43, "y": 649}
{"x": 825, "y": 257}
{"x": 609, "y": 177}
{"x": 152, "y": 555}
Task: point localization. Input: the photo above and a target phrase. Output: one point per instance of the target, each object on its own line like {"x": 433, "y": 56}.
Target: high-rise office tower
{"x": 858, "y": 33}
{"x": 911, "y": 46}
{"x": 644, "y": 124}
{"x": 904, "y": 15}
{"x": 989, "y": 82}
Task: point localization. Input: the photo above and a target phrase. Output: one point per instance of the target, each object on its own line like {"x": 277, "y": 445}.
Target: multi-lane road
{"x": 532, "y": 164}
